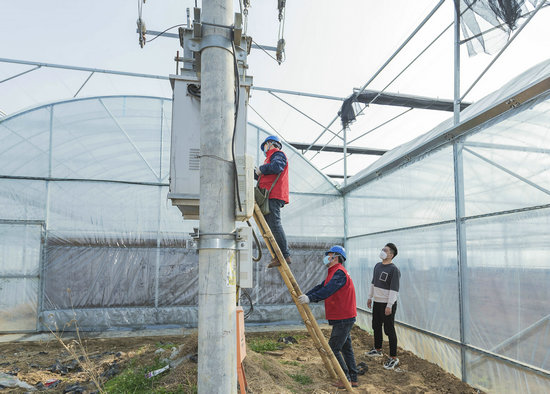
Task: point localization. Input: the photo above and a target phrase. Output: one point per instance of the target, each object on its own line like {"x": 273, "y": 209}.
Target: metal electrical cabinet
{"x": 185, "y": 147}
{"x": 185, "y": 150}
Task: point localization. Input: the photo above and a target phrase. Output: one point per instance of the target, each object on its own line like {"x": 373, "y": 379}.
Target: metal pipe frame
{"x": 129, "y": 139}
{"x": 509, "y": 172}
{"x": 505, "y": 107}
{"x": 297, "y": 93}
{"x": 340, "y": 149}
{"x": 506, "y": 147}
{"x": 88, "y": 69}
{"x": 461, "y": 257}
{"x": 465, "y": 219}
{"x": 18, "y": 75}
{"x": 333, "y": 163}
{"x": 386, "y": 63}
{"x": 81, "y": 86}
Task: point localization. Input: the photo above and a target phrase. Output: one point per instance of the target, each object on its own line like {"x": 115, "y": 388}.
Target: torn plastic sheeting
{"x": 151, "y": 374}
{"x": 11, "y": 381}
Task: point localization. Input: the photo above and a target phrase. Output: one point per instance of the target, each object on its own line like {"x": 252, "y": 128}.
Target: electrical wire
{"x": 263, "y": 49}
{"x": 242, "y": 294}
{"x": 237, "y": 99}
{"x": 170, "y": 28}
{"x": 272, "y": 128}
{"x": 194, "y": 90}
{"x": 257, "y": 241}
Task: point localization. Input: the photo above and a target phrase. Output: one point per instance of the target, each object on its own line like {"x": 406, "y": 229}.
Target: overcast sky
{"x": 332, "y": 47}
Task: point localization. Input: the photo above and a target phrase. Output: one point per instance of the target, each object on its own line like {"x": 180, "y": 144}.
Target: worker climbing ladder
{"x": 331, "y": 363}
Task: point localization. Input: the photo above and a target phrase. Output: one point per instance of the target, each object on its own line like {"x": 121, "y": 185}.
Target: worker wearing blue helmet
{"x": 338, "y": 292}
{"x": 273, "y": 175}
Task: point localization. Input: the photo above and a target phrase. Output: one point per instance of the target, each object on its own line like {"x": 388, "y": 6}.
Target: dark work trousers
{"x": 340, "y": 343}
{"x": 378, "y": 318}
{"x": 273, "y": 219}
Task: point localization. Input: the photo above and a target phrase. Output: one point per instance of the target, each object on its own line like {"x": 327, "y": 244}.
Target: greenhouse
{"x": 88, "y": 231}
{"x": 128, "y": 205}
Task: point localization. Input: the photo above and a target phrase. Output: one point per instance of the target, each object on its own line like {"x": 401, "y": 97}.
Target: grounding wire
{"x": 237, "y": 99}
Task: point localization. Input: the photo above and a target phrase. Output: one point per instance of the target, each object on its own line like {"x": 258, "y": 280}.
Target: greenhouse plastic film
{"x": 428, "y": 291}
{"x": 18, "y": 304}
{"x": 20, "y": 247}
{"x": 506, "y": 162}
{"x": 508, "y": 292}
{"x": 495, "y": 376}
{"x": 22, "y": 199}
{"x": 419, "y": 193}
{"x": 99, "y": 319}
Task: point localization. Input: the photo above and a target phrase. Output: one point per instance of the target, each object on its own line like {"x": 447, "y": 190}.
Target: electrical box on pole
{"x": 185, "y": 140}
{"x": 245, "y": 265}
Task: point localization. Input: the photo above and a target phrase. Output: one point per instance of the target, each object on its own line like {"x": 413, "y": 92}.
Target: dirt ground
{"x": 294, "y": 368}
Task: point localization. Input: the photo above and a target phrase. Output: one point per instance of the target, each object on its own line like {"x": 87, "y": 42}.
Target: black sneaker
{"x": 391, "y": 363}
{"x": 374, "y": 353}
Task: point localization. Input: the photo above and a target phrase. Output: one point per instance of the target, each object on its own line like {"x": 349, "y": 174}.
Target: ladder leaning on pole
{"x": 330, "y": 361}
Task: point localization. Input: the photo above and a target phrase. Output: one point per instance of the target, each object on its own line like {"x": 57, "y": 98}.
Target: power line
{"x": 272, "y": 128}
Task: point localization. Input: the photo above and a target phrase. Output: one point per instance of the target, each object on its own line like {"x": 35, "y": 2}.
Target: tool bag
{"x": 261, "y": 196}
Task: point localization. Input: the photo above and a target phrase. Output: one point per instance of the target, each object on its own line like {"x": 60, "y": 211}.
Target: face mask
{"x": 326, "y": 260}
{"x": 383, "y": 255}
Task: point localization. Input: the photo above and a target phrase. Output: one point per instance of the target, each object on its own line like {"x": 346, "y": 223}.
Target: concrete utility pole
{"x": 217, "y": 369}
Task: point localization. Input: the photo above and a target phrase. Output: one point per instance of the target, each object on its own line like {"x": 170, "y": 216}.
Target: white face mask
{"x": 266, "y": 149}
{"x": 383, "y": 255}
{"x": 326, "y": 260}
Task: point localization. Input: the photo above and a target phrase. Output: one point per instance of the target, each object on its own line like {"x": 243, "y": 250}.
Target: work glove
{"x": 303, "y": 299}
{"x": 257, "y": 171}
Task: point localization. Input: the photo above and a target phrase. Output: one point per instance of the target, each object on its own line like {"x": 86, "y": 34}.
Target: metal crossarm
{"x": 331, "y": 363}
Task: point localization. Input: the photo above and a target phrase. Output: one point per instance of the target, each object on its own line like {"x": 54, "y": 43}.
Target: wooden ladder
{"x": 331, "y": 363}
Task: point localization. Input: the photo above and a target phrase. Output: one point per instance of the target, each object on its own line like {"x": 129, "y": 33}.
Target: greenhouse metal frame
{"x": 83, "y": 203}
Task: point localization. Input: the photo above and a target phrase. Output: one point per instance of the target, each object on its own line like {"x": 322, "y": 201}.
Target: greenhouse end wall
{"x": 474, "y": 287}
{"x": 87, "y": 233}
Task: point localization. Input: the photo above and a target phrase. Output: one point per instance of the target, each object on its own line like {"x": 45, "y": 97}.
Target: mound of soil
{"x": 293, "y": 368}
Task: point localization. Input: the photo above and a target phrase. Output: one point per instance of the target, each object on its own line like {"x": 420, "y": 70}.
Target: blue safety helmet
{"x": 271, "y": 138}
{"x": 337, "y": 249}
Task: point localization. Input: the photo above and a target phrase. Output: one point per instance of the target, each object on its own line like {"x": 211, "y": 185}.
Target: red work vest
{"x": 341, "y": 305}
{"x": 280, "y": 190}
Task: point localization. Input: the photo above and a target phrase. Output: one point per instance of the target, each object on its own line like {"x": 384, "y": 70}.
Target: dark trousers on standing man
{"x": 273, "y": 219}
{"x": 379, "y": 318}
{"x": 340, "y": 343}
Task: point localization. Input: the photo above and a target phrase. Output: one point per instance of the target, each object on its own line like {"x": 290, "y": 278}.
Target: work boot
{"x": 274, "y": 263}
{"x": 339, "y": 384}
{"x": 288, "y": 260}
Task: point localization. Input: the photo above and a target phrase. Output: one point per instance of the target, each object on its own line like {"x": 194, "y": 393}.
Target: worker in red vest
{"x": 274, "y": 173}
{"x": 340, "y": 310}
